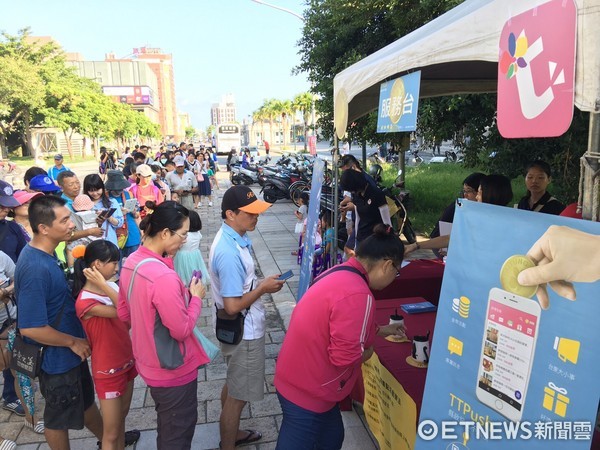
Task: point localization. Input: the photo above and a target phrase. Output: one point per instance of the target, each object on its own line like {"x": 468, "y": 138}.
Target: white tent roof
{"x": 458, "y": 53}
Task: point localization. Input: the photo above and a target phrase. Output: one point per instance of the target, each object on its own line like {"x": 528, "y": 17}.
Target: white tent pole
{"x": 336, "y": 206}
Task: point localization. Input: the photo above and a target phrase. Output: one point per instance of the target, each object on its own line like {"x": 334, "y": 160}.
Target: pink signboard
{"x": 312, "y": 145}
{"x": 536, "y": 71}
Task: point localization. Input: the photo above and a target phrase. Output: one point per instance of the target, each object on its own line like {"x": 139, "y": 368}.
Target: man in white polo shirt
{"x": 234, "y": 288}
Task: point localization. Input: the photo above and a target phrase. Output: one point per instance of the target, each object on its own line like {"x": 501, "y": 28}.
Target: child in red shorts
{"x": 113, "y": 366}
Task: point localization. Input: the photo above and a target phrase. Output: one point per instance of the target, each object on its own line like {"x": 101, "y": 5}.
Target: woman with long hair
{"x": 93, "y": 186}
{"x": 20, "y": 214}
{"x": 331, "y": 334}
{"x": 163, "y": 314}
{"x": 113, "y": 367}
{"x": 204, "y": 189}
{"x": 493, "y": 189}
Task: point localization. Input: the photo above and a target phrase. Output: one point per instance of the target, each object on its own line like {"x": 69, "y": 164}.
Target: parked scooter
{"x": 239, "y": 175}
{"x": 276, "y": 188}
{"x": 416, "y": 160}
{"x": 399, "y": 214}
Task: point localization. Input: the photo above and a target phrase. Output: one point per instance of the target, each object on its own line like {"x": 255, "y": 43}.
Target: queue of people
{"x": 131, "y": 298}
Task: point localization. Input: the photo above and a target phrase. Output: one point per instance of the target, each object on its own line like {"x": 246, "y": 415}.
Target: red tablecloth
{"x": 421, "y": 278}
{"x": 393, "y": 355}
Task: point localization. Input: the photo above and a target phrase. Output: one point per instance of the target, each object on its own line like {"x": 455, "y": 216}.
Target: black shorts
{"x": 67, "y": 396}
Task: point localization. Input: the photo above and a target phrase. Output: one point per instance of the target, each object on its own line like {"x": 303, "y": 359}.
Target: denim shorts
{"x": 67, "y": 396}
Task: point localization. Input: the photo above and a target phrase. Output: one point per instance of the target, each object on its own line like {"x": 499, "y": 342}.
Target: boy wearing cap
{"x": 235, "y": 289}
{"x": 57, "y": 168}
{"x": 43, "y": 183}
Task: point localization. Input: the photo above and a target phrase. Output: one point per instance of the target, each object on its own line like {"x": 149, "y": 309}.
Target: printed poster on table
{"x": 390, "y": 412}
{"x": 399, "y": 103}
{"x": 505, "y": 372}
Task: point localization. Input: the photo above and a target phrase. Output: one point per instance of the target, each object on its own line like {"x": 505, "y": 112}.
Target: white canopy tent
{"x": 457, "y": 53}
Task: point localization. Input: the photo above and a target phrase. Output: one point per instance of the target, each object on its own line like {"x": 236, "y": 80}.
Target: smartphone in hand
{"x": 197, "y": 274}
{"x": 285, "y": 276}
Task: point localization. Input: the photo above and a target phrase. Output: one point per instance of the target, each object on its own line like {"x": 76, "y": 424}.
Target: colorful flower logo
{"x": 512, "y": 59}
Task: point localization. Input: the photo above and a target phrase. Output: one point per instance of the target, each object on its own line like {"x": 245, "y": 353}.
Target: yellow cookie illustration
{"x": 509, "y": 272}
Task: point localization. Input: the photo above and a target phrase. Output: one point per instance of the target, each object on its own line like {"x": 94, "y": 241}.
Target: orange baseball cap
{"x": 243, "y": 198}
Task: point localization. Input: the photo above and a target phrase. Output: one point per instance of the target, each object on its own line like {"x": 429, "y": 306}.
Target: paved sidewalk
{"x": 273, "y": 241}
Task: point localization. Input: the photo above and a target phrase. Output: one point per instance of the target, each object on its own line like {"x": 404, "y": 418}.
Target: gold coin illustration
{"x": 397, "y": 94}
{"x": 509, "y": 272}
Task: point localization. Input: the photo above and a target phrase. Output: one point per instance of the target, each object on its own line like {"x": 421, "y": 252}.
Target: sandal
{"x": 7, "y": 444}
{"x": 38, "y": 428}
{"x": 252, "y": 436}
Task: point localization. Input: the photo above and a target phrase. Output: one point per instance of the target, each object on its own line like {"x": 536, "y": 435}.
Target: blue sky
{"x": 218, "y": 46}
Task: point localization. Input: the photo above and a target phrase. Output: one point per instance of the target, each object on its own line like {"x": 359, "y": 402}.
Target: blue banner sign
{"x": 398, "y": 104}
{"x": 515, "y": 359}
{"x": 308, "y": 245}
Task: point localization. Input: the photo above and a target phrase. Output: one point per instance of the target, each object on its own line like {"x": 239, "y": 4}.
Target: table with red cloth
{"x": 393, "y": 355}
{"x": 420, "y": 278}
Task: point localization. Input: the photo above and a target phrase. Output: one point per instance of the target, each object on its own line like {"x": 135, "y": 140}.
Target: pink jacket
{"x": 157, "y": 290}
{"x": 330, "y": 328}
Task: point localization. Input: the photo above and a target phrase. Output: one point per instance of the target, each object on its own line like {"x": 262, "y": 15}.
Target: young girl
{"x": 113, "y": 366}
{"x": 93, "y": 186}
{"x": 189, "y": 257}
{"x": 204, "y": 189}
{"x": 328, "y": 232}
{"x": 301, "y": 214}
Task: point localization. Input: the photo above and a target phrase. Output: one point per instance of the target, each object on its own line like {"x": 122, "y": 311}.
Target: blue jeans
{"x": 302, "y": 429}
{"x": 8, "y": 392}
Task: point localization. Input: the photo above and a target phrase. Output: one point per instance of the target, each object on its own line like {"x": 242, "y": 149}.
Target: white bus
{"x": 228, "y": 135}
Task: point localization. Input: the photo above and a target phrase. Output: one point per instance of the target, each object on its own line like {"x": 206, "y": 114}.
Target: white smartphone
{"x": 509, "y": 336}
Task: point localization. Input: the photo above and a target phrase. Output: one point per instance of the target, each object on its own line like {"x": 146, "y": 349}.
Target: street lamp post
{"x": 260, "y": 2}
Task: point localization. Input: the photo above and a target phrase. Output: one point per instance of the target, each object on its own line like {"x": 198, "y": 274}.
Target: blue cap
{"x": 43, "y": 183}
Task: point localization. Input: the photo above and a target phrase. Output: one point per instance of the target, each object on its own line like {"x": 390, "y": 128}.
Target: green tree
{"x": 69, "y": 103}
{"x": 21, "y": 89}
{"x": 260, "y": 116}
{"x": 210, "y": 131}
{"x": 338, "y": 33}
{"x": 304, "y": 103}
{"x": 44, "y": 59}
{"x": 190, "y": 132}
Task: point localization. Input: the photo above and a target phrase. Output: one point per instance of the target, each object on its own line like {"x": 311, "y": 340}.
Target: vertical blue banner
{"x": 399, "y": 103}
{"x": 308, "y": 246}
{"x": 506, "y": 372}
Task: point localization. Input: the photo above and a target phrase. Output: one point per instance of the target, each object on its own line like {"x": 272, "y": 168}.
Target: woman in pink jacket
{"x": 163, "y": 316}
{"x": 330, "y": 334}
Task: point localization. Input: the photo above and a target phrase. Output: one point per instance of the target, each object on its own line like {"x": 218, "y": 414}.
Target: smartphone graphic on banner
{"x": 509, "y": 337}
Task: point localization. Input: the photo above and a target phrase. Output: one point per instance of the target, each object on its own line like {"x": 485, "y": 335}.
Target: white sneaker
{"x": 209, "y": 203}
{"x": 199, "y": 205}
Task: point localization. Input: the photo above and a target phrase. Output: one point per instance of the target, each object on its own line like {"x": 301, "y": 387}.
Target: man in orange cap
{"x": 235, "y": 290}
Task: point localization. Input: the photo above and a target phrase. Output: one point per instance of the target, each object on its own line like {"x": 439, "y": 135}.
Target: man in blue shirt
{"x": 234, "y": 289}
{"x": 47, "y": 316}
{"x": 57, "y": 168}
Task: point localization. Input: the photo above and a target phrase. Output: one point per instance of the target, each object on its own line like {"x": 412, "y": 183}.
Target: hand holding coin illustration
{"x": 562, "y": 255}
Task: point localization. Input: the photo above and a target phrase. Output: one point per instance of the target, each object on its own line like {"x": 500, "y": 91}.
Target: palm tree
{"x": 304, "y": 103}
{"x": 260, "y": 116}
{"x": 284, "y": 110}
{"x": 271, "y": 113}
